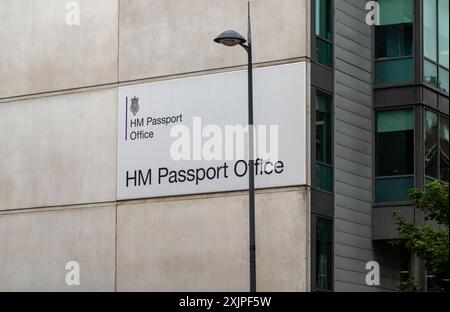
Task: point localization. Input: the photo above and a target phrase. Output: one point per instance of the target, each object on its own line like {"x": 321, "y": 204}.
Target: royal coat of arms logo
{"x": 134, "y": 105}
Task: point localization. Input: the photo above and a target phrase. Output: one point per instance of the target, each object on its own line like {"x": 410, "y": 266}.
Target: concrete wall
{"x": 354, "y": 152}
{"x": 39, "y": 52}
{"x": 167, "y": 37}
{"x": 195, "y": 243}
{"x": 58, "y": 119}
{"x": 201, "y": 243}
{"x": 36, "y": 245}
{"x": 149, "y": 38}
{"x": 58, "y": 150}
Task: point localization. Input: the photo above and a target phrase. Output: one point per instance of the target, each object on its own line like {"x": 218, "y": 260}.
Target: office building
{"x": 85, "y": 175}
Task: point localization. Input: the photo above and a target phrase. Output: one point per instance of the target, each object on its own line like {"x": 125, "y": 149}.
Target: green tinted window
{"x": 396, "y": 11}
{"x": 393, "y": 189}
{"x": 394, "y": 71}
{"x": 324, "y": 33}
{"x": 444, "y": 148}
{"x": 443, "y": 79}
{"x": 394, "y": 42}
{"x": 323, "y": 18}
{"x": 430, "y": 29}
{"x": 324, "y": 152}
{"x": 394, "y": 155}
{"x": 324, "y": 177}
{"x": 430, "y": 73}
{"x": 324, "y": 52}
{"x": 395, "y": 120}
{"x": 443, "y": 32}
{"x": 324, "y": 254}
{"x": 431, "y": 144}
{"x": 436, "y": 147}
{"x": 436, "y": 46}
{"x": 323, "y": 128}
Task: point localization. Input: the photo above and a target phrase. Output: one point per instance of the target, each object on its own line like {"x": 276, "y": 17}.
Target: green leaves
{"x": 430, "y": 241}
{"x": 433, "y": 202}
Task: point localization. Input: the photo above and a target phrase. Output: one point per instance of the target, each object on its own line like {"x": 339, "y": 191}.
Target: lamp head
{"x": 230, "y": 38}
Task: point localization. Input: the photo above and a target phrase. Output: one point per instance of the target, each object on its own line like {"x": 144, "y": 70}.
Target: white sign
{"x": 153, "y": 119}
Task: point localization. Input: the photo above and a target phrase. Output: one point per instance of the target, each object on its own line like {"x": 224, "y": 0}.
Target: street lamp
{"x": 231, "y": 38}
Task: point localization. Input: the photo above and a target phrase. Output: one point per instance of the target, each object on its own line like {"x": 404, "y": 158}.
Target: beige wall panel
{"x": 58, "y": 150}
{"x": 39, "y": 52}
{"x": 165, "y": 37}
{"x": 283, "y": 241}
{"x": 195, "y": 245}
{"x": 35, "y": 247}
{"x": 201, "y": 243}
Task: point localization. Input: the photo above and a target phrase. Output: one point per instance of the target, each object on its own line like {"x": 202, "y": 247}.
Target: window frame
{"x": 424, "y": 147}
{"x": 413, "y": 56}
{"x": 314, "y": 161}
{"x": 414, "y": 174}
{"x": 314, "y": 218}
{"x": 439, "y": 115}
{"x": 315, "y": 36}
{"x": 437, "y": 31}
{"x": 424, "y": 58}
{"x": 385, "y": 59}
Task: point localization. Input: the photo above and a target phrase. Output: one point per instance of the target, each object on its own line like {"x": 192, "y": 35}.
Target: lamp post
{"x": 231, "y": 38}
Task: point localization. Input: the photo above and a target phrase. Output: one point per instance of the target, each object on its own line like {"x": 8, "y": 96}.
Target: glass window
{"x": 394, "y": 71}
{"x": 430, "y": 29}
{"x": 444, "y": 148}
{"x": 393, "y": 189}
{"x": 443, "y": 79}
{"x": 395, "y": 120}
{"x": 323, "y": 19}
{"x": 394, "y": 40}
{"x": 324, "y": 37}
{"x": 324, "y": 254}
{"x": 430, "y": 73}
{"x": 394, "y": 154}
{"x": 324, "y": 177}
{"x": 436, "y": 147}
{"x": 435, "y": 32}
{"x": 395, "y": 142}
{"x": 324, "y": 132}
{"x": 324, "y": 52}
{"x": 323, "y": 128}
{"x": 431, "y": 144}
{"x": 443, "y": 32}
{"x": 396, "y": 11}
